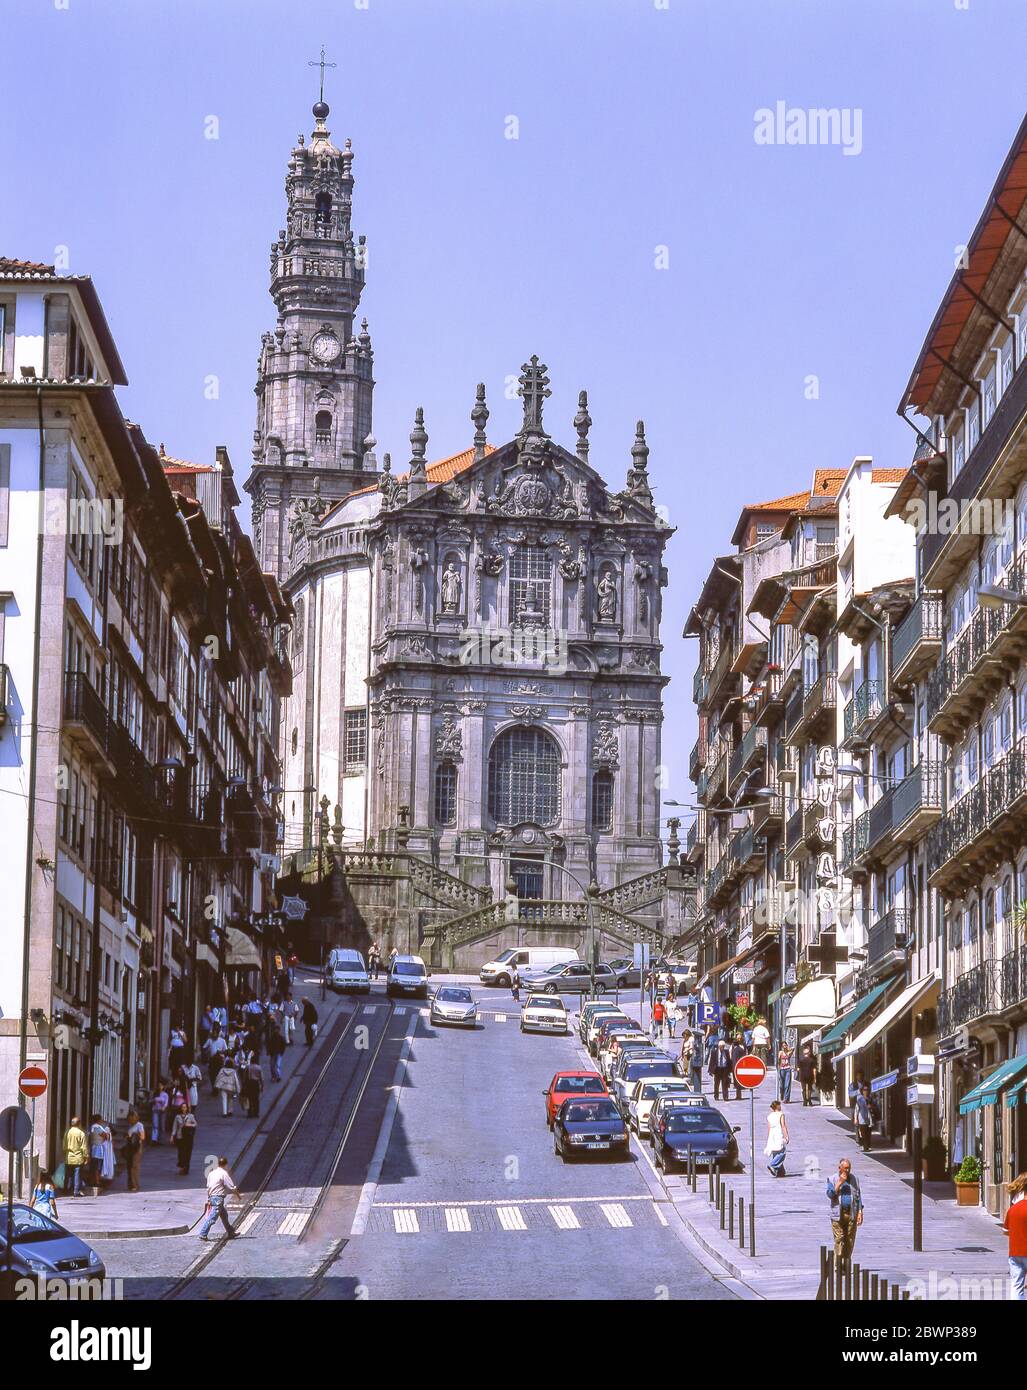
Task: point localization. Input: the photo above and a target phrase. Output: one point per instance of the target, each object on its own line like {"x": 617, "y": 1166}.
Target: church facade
{"x": 476, "y": 647}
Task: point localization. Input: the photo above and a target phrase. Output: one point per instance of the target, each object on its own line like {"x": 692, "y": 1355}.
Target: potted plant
{"x": 968, "y": 1182}
{"x": 934, "y": 1156}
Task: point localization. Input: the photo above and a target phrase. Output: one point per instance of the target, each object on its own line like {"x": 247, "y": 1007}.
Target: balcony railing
{"x": 890, "y": 934}
{"x": 720, "y": 670}
{"x": 770, "y": 697}
{"x": 806, "y": 718}
{"x": 766, "y": 811}
{"x": 793, "y": 831}
{"x": 973, "y": 829}
{"x": 83, "y": 706}
{"x": 916, "y": 641}
{"x": 855, "y": 839}
{"x": 916, "y": 801}
{"x": 864, "y": 709}
{"x": 700, "y": 685}
{"x": 975, "y": 994}
{"x": 695, "y": 759}
{"x": 748, "y": 753}
{"x": 1014, "y": 977}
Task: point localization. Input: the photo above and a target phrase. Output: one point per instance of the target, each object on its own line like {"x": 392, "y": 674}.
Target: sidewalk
{"x": 169, "y": 1204}
{"x": 793, "y": 1213}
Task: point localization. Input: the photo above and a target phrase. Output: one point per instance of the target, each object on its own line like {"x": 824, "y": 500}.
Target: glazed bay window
{"x": 354, "y": 739}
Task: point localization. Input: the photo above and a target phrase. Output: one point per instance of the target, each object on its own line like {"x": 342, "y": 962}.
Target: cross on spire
{"x": 314, "y": 63}
{"x": 533, "y": 388}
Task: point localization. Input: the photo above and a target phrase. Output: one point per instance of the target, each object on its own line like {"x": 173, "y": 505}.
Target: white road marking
{"x": 457, "y": 1219}
{"x": 499, "y": 1018}
{"x": 565, "y": 1218}
{"x": 405, "y": 1221}
{"x": 659, "y": 1215}
{"x": 523, "y": 1201}
{"x": 510, "y": 1219}
{"x": 293, "y": 1223}
{"x": 399, "y": 1012}
{"x": 615, "y": 1214}
{"x": 369, "y": 1009}
{"x": 248, "y": 1222}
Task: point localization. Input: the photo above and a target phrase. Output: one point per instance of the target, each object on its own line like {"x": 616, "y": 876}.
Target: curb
{"x": 135, "y": 1234}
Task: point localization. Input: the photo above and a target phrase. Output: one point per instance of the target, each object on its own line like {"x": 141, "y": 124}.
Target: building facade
{"x": 141, "y": 680}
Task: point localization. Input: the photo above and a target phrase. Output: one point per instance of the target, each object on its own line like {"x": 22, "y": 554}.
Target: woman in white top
{"x": 777, "y": 1139}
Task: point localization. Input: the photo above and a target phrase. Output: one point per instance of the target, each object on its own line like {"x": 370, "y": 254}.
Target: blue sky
{"x": 636, "y": 131}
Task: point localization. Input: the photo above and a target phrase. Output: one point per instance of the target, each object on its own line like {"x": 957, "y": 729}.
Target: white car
{"x": 347, "y": 971}
{"x": 453, "y": 1004}
{"x": 544, "y": 1014}
{"x": 644, "y": 1096}
{"x": 670, "y": 1099}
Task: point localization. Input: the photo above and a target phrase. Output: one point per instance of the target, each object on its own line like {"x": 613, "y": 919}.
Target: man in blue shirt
{"x": 846, "y": 1210}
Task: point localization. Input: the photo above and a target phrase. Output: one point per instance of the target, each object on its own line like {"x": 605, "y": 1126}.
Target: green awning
{"x": 1017, "y": 1093}
{"x": 832, "y": 1038}
{"x": 987, "y": 1092}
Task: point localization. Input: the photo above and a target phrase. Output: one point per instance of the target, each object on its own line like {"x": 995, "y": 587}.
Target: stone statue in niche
{"x": 606, "y": 598}
{"x": 452, "y": 588}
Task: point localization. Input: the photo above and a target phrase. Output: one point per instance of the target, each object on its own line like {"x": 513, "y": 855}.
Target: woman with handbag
{"x": 226, "y": 1083}
{"x": 777, "y": 1140}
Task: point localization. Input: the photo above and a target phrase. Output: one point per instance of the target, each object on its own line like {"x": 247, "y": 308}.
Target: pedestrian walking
{"x": 176, "y": 1049}
{"x": 776, "y": 1146}
{"x": 183, "y": 1135}
{"x": 672, "y": 1013}
{"x": 863, "y": 1118}
{"x": 227, "y": 1086}
{"x": 290, "y": 1013}
{"x": 99, "y": 1135}
{"x": 192, "y": 1076}
{"x": 44, "y": 1196}
{"x": 133, "y": 1150}
{"x": 720, "y": 1070}
{"x": 253, "y": 1089}
{"x": 846, "y": 1210}
{"x": 761, "y": 1039}
{"x": 784, "y": 1073}
{"x": 807, "y": 1074}
{"x": 275, "y": 1049}
{"x": 219, "y": 1185}
{"x": 158, "y": 1105}
{"x": 214, "y": 1050}
{"x": 76, "y": 1157}
{"x": 659, "y": 1015}
{"x": 374, "y": 960}
{"x": 826, "y": 1080}
{"x": 1014, "y": 1223}
{"x": 178, "y": 1097}
{"x": 309, "y": 1021}
{"x": 738, "y": 1051}
{"x": 692, "y": 1058}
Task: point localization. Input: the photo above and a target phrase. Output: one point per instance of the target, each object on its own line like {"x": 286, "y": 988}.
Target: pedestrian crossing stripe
{"x": 406, "y": 1221}
{"x": 500, "y": 1018}
{"x": 457, "y": 1219}
{"x": 511, "y": 1219}
{"x": 565, "y": 1218}
{"x": 615, "y": 1214}
{"x": 370, "y": 1009}
{"x": 248, "y": 1222}
{"x": 399, "y": 1012}
{"x": 293, "y": 1223}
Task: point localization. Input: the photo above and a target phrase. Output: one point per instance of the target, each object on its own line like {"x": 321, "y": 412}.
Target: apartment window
{"x": 355, "y": 739}
{"x": 5, "y": 465}
{"x": 764, "y": 531}
{"x": 973, "y": 428}
{"x": 531, "y": 582}
{"x": 602, "y": 800}
{"x": 445, "y": 794}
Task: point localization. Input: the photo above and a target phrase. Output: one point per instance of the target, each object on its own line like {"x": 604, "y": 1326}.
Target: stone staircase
{"x": 647, "y": 890}
{"x": 470, "y": 928}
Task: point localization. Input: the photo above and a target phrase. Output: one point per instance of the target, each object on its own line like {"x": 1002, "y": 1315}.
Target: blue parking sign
{"x": 708, "y": 1013}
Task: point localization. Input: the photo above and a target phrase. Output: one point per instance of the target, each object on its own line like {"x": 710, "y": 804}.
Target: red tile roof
{"x": 442, "y": 472}
{"x": 9, "y": 266}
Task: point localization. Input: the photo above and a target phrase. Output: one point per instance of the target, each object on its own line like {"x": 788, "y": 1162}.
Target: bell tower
{"x": 314, "y": 372}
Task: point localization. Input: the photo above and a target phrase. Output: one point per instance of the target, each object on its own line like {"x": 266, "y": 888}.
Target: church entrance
{"x": 527, "y": 872}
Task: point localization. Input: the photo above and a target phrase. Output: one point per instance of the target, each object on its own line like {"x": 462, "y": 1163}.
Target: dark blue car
{"x": 589, "y": 1126}
{"x": 697, "y": 1129}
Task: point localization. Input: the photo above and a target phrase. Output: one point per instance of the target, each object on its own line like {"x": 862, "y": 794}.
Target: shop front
{"x": 992, "y": 1118}
{"x": 880, "y": 1050}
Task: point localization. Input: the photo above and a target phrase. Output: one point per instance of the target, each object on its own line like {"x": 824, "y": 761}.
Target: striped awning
{"x": 987, "y": 1092}
{"x": 833, "y": 1038}
{"x": 1017, "y": 1093}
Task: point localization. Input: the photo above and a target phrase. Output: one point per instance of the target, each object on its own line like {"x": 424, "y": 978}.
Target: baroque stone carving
{"x": 606, "y": 598}
{"x": 449, "y": 743}
{"x": 451, "y": 588}
{"x": 528, "y": 714}
{"x": 604, "y": 745}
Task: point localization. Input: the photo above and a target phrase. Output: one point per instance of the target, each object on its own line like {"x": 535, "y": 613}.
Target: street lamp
{"x": 997, "y": 596}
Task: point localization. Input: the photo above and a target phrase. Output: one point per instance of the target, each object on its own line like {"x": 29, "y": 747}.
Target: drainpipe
{"x": 30, "y": 829}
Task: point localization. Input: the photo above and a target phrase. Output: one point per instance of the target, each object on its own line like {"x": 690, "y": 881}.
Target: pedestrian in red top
{"x": 1015, "y": 1225}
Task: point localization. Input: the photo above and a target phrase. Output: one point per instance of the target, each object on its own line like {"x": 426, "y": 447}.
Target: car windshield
{"x": 505, "y": 957}
{"x": 558, "y": 968}
{"x": 633, "y": 1071}
{"x": 683, "y": 1120}
{"x": 585, "y": 1085}
{"x": 581, "y": 1114}
{"x": 407, "y": 967}
{"x": 652, "y": 1089}
{"x": 29, "y": 1225}
{"x": 545, "y": 1001}
{"x": 455, "y": 996}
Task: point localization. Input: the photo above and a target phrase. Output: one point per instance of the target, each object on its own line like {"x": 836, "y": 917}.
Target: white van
{"x": 408, "y": 975}
{"x": 346, "y": 970}
{"x": 500, "y": 971}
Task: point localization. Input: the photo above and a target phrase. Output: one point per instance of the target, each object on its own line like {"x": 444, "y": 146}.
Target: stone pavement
{"x": 169, "y": 1203}
{"x": 961, "y": 1244}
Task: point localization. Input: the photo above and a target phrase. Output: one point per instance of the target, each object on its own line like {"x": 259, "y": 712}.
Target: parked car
{"x": 408, "y": 975}
{"x": 573, "y": 978}
{"x": 346, "y": 971}
{"x": 571, "y": 1085}
{"x": 453, "y": 1004}
{"x": 595, "y": 1024}
{"x": 584, "y": 1127}
{"x": 644, "y": 1096}
{"x": 42, "y": 1248}
{"x": 699, "y": 1130}
{"x": 594, "y": 1009}
{"x": 627, "y": 972}
{"x": 543, "y": 1014}
{"x": 619, "y": 1044}
{"x": 523, "y": 959}
{"x": 633, "y": 1069}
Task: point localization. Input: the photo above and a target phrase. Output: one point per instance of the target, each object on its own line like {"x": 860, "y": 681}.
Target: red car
{"x": 571, "y": 1085}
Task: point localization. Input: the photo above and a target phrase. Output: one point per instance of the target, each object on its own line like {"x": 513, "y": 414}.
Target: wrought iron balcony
{"x": 889, "y": 936}
{"x": 1013, "y": 974}
{"x": 700, "y": 686}
{"x": 747, "y": 755}
{"x": 695, "y": 840}
{"x": 855, "y": 839}
{"x": 747, "y": 850}
{"x": 696, "y": 759}
{"x": 967, "y": 675}
{"x": 916, "y": 801}
{"x": 787, "y": 763}
{"x": 975, "y": 994}
{"x": 770, "y": 699}
{"x": 863, "y": 711}
{"x": 721, "y": 673}
{"x": 818, "y": 704}
{"x": 916, "y": 642}
{"x": 975, "y": 834}
{"x": 86, "y": 720}
{"x": 793, "y": 832}
{"x": 767, "y": 811}
{"x": 812, "y": 816}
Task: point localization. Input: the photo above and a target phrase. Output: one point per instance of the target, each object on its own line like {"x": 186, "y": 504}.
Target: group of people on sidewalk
{"x": 88, "y": 1160}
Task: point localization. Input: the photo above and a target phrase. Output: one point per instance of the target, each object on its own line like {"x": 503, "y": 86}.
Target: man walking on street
{"x": 76, "y": 1156}
{"x": 807, "y": 1074}
{"x": 863, "y": 1118}
{"x": 374, "y": 960}
{"x": 309, "y": 1021}
{"x": 846, "y": 1210}
{"x": 720, "y": 1066}
{"x": 219, "y": 1184}
{"x": 761, "y": 1039}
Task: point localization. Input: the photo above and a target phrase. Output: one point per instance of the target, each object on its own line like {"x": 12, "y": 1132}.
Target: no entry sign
{"x": 750, "y": 1071}
{"x": 32, "y": 1082}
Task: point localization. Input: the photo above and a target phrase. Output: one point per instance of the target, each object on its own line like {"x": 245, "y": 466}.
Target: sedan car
{"x": 543, "y": 1014}
{"x": 593, "y": 1032}
{"x": 575, "y": 977}
{"x": 699, "y": 1130}
{"x": 571, "y": 1085}
{"x": 627, "y": 972}
{"x": 453, "y": 1004}
{"x": 647, "y": 1092}
{"x": 618, "y": 1042}
{"x": 592, "y": 1011}
{"x": 633, "y": 1069}
{"x": 589, "y": 1126}
{"x": 44, "y": 1249}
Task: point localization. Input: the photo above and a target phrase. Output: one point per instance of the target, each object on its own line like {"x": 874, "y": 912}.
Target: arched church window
{"x": 322, "y": 210}
{"x": 602, "y": 800}
{"x": 445, "y": 794}
{"x": 323, "y": 427}
{"x": 524, "y": 778}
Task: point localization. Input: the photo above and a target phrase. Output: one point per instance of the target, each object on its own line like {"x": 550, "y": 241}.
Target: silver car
{"x": 42, "y": 1248}
{"x": 453, "y": 1004}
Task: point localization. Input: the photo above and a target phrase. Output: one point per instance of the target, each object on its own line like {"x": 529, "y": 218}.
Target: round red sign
{"x": 750, "y": 1071}
{"x": 32, "y": 1082}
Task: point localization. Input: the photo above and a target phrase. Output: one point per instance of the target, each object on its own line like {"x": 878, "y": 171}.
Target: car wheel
{"x": 551, "y": 989}
{"x": 503, "y": 981}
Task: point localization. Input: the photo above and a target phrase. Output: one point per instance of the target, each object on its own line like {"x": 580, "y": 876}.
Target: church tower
{"x": 314, "y": 374}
